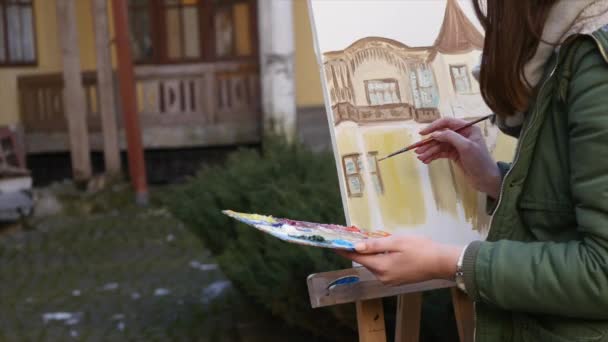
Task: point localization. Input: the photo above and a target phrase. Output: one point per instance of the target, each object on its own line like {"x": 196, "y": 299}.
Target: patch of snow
{"x": 121, "y": 326}
{"x": 118, "y": 317}
{"x": 215, "y": 289}
{"x": 72, "y": 321}
{"x": 110, "y": 287}
{"x": 170, "y": 238}
{"x": 74, "y": 333}
{"x": 29, "y": 300}
{"x": 70, "y": 318}
{"x": 161, "y": 292}
{"x": 76, "y": 293}
{"x": 203, "y": 267}
{"x": 135, "y": 295}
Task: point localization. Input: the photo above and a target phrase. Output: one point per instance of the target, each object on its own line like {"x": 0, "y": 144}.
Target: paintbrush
{"x": 431, "y": 139}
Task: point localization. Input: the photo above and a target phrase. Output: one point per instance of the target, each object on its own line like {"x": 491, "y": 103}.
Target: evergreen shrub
{"x": 283, "y": 180}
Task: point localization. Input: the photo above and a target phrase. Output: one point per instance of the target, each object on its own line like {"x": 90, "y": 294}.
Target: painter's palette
{"x": 307, "y": 233}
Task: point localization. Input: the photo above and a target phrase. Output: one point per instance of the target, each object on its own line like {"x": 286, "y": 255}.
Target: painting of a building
{"x": 379, "y": 79}
{"x": 380, "y": 92}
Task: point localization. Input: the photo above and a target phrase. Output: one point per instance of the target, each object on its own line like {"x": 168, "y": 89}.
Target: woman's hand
{"x": 467, "y": 149}
{"x": 397, "y": 260}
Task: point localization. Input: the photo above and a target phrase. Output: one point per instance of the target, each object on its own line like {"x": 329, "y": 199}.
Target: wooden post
{"x": 464, "y": 312}
{"x": 73, "y": 92}
{"x": 409, "y": 311}
{"x": 128, "y": 95}
{"x": 370, "y": 317}
{"x": 105, "y": 87}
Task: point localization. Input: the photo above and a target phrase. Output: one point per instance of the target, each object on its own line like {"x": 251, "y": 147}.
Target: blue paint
{"x": 343, "y": 243}
{"x": 343, "y": 281}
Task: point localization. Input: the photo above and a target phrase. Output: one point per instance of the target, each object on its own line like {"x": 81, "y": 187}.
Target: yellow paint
{"x": 444, "y": 192}
{"x": 505, "y": 148}
{"x": 402, "y": 201}
{"x": 357, "y": 206}
{"x": 308, "y": 77}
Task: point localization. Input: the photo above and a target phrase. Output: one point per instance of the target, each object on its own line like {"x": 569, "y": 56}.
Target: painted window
{"x": 174, "y": 31}
{"x": 374, "y": 170}
{"x": 353, "y": 170}
{"x": 424, "y": 90}
{"x": 460, "y": 79}
{"x": 381, "y": 92}
{"x": 17, "y": 33}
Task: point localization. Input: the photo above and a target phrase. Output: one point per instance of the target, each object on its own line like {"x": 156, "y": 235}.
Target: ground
{"x": 104, "y": 270}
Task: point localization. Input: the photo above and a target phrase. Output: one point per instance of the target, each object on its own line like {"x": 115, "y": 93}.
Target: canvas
{"x": 307, "y": 233}
{"x": 388, "y": 69}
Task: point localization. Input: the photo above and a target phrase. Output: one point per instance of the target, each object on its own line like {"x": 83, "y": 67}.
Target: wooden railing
{"x": 171, "y": 95}
{"x": 346, "y": 111}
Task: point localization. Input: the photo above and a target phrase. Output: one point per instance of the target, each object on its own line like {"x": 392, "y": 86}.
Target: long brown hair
{"x": 513, "y": 33}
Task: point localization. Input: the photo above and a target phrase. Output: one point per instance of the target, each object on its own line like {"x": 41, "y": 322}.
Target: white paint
{"x": 412, "y": 22}
{"x": 277, "y": 49}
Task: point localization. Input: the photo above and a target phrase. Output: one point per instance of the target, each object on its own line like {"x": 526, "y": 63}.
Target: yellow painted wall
{"x": 48, "y": 52}
{"x": 402, "y": 202}
{"x": 308, "y": 79}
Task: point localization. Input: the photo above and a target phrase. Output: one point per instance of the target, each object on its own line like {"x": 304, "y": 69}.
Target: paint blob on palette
{"x": 307, "y": 233}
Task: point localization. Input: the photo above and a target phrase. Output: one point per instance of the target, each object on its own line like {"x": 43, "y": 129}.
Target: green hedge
{"x": 283, "y": 180}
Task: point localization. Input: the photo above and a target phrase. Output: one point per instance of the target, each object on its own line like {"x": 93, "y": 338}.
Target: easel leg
{"x": 464, "y": 312}
{"x": 409, "y": 307}
{"x": 370, "y": 318}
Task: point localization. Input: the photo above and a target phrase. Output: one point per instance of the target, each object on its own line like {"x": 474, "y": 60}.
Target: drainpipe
{"x": 277, "y": 64}
{"x": 128, "y": 98}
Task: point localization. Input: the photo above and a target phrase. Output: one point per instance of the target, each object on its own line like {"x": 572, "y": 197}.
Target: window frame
{"x": 417, "y": 88}
{"x": 206, "y": 22}
{"x": 467, "y": 74}
{"x": 358, "y": 174}
{"x": 358, "y": 161}
{"x": 383, "y": 80}
{"x": 374, "y": 155}
{"x": 8, "y": 63}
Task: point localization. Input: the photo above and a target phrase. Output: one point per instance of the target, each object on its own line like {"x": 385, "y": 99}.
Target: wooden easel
{"x": 368, "y": 292}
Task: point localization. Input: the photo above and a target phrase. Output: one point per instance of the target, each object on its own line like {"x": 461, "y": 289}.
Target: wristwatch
{"x": 459, "y": 276}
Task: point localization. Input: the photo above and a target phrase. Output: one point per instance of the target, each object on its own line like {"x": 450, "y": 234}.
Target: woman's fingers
{"x": 443, "y": 123}
{"x": 371, "y": 261}
{"x": 432, "y": 150}
{"x": 440, "y": 155}
{"x": 380, "y": 245}
{"x": 459, "y": 142}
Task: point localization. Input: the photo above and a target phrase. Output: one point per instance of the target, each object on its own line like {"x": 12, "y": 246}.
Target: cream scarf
{"x": 566, "y": 18}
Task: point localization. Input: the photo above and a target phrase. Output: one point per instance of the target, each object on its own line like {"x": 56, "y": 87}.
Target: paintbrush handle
{"x": 431, "y": 139}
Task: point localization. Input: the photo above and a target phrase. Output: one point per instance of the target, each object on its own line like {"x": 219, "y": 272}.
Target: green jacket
{"x": 542, "y": 274}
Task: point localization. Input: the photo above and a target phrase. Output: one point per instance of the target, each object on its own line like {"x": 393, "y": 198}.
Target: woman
{"x": 542, "y": 274}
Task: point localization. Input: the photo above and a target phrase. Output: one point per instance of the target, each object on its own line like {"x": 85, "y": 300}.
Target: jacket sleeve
{"x": 560, "y": 278}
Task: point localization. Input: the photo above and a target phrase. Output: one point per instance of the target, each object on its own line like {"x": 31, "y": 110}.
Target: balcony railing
{"x": 170, "y": 98}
